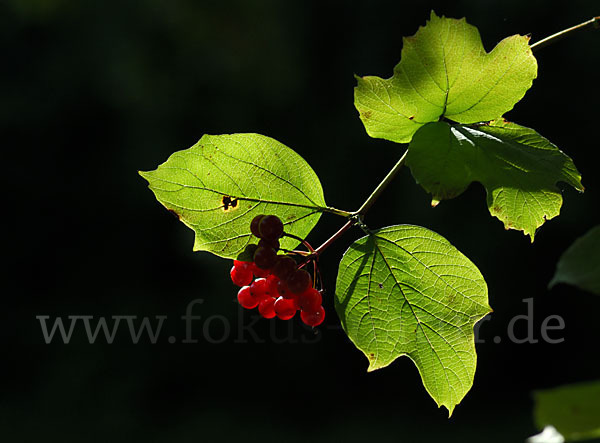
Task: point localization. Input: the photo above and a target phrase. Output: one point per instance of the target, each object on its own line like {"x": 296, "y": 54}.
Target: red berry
{"x": 246, "y": 299}
{"x": 254, "y": 225}
{"x": 260, "y": 273}
{"x": 299, "y": 281}
{"x": 272, "y": 282}
{"x": 265, "y": 258}
{"x": 313, "y": 318}
{"x": 241, "y": 275}
{"x": 284, "y": 267}
{"x": 285, "y": 308}
{"x": 259, "y": 289}
{"x": 266, "y": 307}
{"x": 310, "y": 300}
{"x": 283, "y": 290}
{"x": 242, "y": 264}
{"x": 270, "y": 227}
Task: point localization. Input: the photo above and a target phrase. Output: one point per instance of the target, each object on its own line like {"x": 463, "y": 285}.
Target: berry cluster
{"x": 275, "y": 283}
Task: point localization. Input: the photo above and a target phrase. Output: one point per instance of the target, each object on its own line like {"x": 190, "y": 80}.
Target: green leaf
{"x": 218, "y": 185}
{"x": 444, "y": 71}
{"x": 404, "y": 290}
{"x": 574, "y": 410}
{"x": 580, "y": 263}
{"x": 518, "y": 167}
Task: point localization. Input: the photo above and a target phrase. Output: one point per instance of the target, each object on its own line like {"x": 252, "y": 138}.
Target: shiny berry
{"x": 270, "y": 228}
{"x": 285, "y": 308}
{"x": 246, "y": 299}
{"x": 269, "y": 244}
{"x": 284, "y": 267}
{"x": 310, "y": 300}
{"x": 259, "y": 289}
{"x": 313, "y": 318}
{"x": 299, "y": 281}
{"x": 241, "y": 275}
{"x": 242, "y": 264}
{"x": 248, "y": 252}
{"x": 266, "y": 307}
{"x": 260, "y": 273}
{"x": 283, "y": 290}
{"x": 265, "y": 258}
{"x": 272, "y": 283}
{"x": 254, "y": 225}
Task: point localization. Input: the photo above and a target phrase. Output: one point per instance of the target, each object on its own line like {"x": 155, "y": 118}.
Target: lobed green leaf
{"x": 444, "y": 71}
{"x": 220, "y": 184}
{"x": 518, "y": 167}
{"x": 406, "y": 291}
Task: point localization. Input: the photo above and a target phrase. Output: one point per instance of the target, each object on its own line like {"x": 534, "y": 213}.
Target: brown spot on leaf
{"x": 229, "y": 203}
{"x": 367, "y": 114}
{"x": 371, "y": 356}
{"x": 411, "y": 117}
{"x": 175, "y": 214}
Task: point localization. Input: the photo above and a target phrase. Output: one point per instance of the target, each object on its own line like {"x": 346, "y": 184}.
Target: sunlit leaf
{"x": 518, "y": 167}
{"x": 405, "y": 291}
{"x": 444, "y": 71}
{"x": 218, "y": 185}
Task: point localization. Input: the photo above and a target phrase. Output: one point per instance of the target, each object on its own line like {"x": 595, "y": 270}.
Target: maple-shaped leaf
{"x": 444, "y": 71}
{"x": 518, "y": 167}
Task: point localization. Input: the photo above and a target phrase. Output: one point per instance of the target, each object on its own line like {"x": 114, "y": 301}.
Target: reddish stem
{"x": 334, "y": 237}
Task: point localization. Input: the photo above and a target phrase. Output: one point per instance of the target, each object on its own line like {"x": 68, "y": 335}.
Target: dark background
{"x": 92, "y": 91}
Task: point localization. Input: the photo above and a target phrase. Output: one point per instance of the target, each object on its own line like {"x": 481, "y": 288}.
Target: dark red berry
{"x": 299, "y": 281}
{"x": 260, "y": 273}
{"x": 246, "y": 299}
{"x": 269, "y": 244}
{"x": 270, "y": 228}
{"x": 313, "y": 318}
{"x": 283, "y": 290}
{"x": 310, "y": 300}
{"x": 285, "y": 308}
{"x": 254, "y": 225}
{"x": 284, "y": 266}
{"x": 241, "y": 275}
{"x": 265, "y": 258}
{"x": 248, "y": 253}
{"x": 266, "y": 307}
{"x": 259, "y": 289}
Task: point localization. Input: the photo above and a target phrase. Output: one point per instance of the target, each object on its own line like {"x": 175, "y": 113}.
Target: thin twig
{"x": 334, "y": 237}
{"x": 594, "y": 23}
{"x": 381, "y": 187}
